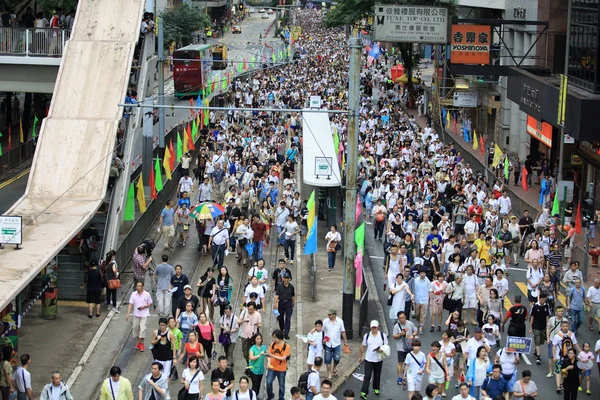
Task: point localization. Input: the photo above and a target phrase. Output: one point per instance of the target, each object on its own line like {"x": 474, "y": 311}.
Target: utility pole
{"x": 161, "y": 83}
{"x": 561, "y": 145}
{"x": 351, "y": 189}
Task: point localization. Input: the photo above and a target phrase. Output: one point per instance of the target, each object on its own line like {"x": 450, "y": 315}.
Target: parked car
{"x": 251, "y": 10}
{"x": 236, "y": 29}
{"x": 265, "y": 16}
{"x": 262, "y": 10}
{"x": 269, "y": 11}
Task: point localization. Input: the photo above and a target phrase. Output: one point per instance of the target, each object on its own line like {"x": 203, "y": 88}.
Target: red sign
{"x": 542, "y": 131}
{"x": 470, "y": 44}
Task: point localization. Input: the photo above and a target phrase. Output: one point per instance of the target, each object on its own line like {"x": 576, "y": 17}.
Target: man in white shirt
{"x": 185, "y": 184}
{"x": 22, "y": 379}
{"x": 505, "y": 205}
{"x": 281, "y": 214}
{"x": 463, "y": 388}
{"x": 205, "y": 191}
{"x": 334, "y": 331}
{"x": 218, "y": 242}
{"x": 325, "y": 391}
{"x": 592, "y": 299}
{"x": 370, "y": 348}
{"x": 534, "y": 276}
{"x": 473, "y": 344}
{"x": 313, "y": 382}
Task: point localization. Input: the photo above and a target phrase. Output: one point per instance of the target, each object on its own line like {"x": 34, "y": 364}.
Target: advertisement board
{"x": 464, "y": 99}
{"x": 542, "y": 131}
{"x": 414, "y": 24}
{"x": 470, "y": 44}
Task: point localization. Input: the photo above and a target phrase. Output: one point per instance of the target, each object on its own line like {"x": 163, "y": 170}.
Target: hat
{"x": 374, "y": 324}
{"x": 418, "y": 261}
{"x": 286, "y": 275}
{"x": 477, "y": 330}
{"x": 332, "y": 311}
{"x": 187, "y": 287}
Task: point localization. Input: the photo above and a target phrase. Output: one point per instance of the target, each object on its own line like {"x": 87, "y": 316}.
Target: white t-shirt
{"x": 249, "y": 395}
{"x": 261, "y": 274}
{"x": 594, "y": 295}
{"x": 320, "y": 397}
{"x": 535, "y": 276}
{"x": 22, "y": 379}
{"x": 415, "y": 362}
{"x": 194, "y": 384}
{"x": 314, "y": 380}
{"x": 372, "y": 342}
{"x": 317, "y": 338}
{"x": 597, "y": 349}
{"x": 473, "y": 344}
{"x": 333, "y": 330}
{"x": 290, "y": 228}
{"x": 260, "y": 292}
{"x": 508, "y": 361}
{"x": 557, "y": 341}
{"x": 115, "y": 385}
{"x": 185, "y": 185}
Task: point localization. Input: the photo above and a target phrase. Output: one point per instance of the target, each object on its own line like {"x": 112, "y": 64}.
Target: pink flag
{"x": 358, "y": 209}
{"x": 358, "y": 264}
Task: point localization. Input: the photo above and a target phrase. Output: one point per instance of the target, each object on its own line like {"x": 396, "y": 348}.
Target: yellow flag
{"x": 497, "y": 156}
{"x": 21, "y": 136}
{"x": 185, "y": 141}
{"x": 475, "y": 141}
{"x": 448, "y": 120}
{"x": 141, "y": 196}
{"x": 167, "y": 162}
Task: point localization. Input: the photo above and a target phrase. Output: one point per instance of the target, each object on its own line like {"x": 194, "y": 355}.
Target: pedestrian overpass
{"x": 30, "y": 58}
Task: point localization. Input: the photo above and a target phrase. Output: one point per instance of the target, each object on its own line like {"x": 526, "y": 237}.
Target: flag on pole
{"x": 206, "y": 114}
{"x": 190, "y": 144}
{"x": 9, "y": 138}
{"x": 359, "y": 239}
{"x": 448, "y": 120}
{"x": 167, "y": 163}
{"x": 185, "y": 141}
{"x": 152, "y": 182}
{"x": 201, "y": 119}
{"x": 158, "y": 176}
{"x": 481, "y": 143}
{"x": 245, "y": 64}
{"x": 358, "y": 210}
{"x": 194, "y": 131}
{"x": 129, "y": 212}
{"x": 141, "y": 196}
{"x": 0, "y": 145}
{"x": 524, "y": 179}
{"x": 179, "y": 148}
{"x": 171, "y": 155}
{"x": 21, "y": 135}
{"x": 33, "y": 128}
{"x": 578, "y": 219}
{"x": 373, "y": 54}
{"x": 497, "y": 156}
{"x": 311, "y": 238}
{"x": 455, "y": 128}
{"x": 475, "y": 141}
{"x": 506, "y": 168}
{"x": 556, "y": 204}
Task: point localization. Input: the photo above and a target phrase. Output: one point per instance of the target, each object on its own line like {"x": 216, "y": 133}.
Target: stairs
{"x": 71, "y": 266}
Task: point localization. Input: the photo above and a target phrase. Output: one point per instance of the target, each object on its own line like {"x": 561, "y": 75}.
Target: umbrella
{"x": 207, "y": 211}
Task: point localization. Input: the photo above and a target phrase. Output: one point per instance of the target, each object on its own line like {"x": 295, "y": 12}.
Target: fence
{"x": 14, "y": 158}
{"x": 33, "y": 42}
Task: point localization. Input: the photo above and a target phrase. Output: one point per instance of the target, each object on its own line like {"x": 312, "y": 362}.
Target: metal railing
{"x": 17, "y": 156}
{"x": 33, "y": 42}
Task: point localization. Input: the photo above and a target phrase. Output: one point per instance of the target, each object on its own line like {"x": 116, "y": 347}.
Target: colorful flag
{"x": 206, "y": 116}
{"x": 179, "y": 148}
{"x": 506, "y": 168}
{"x": 141, "y": 195}
{"x": 185, "y": 141}
{"x": 224, "y": 84}
{"x": 475, "y": 141}
{"x": 152, "y": 182}
{"x": 171, "y": 155}
{"x": 358, "y": 210}
{"x": 21, "y": 135}
{"x": 578, "y": 219}
{"x": 194, "y": 132}
{"x": 201, "y": 119}
{"x": 245, "y": 64}
{"x": 555, "y": 205}
{"x": 129, "y": 212}
{"x": 0, "y": 145}
{"x": 497, "y": 156}
{"x": 9, "y": 138}
{"x": 481, "y": 143}
{"x": 359, "y": 239}
{"x": 311, "y": 238}
{"x": 33, "y": 128}
{"x": 373, "y": 54}
{"x": 455, "y": 128}
{"x": 158, "y": 183}
{"x": 448, "y": 120}
{"x": 524, "y": 179}
{"x": 167, "y": 163}
{"x": 336, "y": 141}
{"x": 190, "y": 144}
{"x": 273, "y": 57}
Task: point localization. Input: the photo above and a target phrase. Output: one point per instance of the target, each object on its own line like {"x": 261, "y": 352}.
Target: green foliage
{"x": 180, "y": 22}
{"x": 49, "y": 5}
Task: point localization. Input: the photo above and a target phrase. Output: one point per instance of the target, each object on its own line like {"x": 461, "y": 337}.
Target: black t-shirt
{"x": 206, "y": 290}
{"x": 28, "y": 20}
{"x": 457, "y": 335}
{"x": 94, "y": 279}
{"x": 285, "y": 293}
{"x": 225, "y": 378}
{"x": 5, "y": 19}
{"x": 152, "y": 397}
{"x": 278, "y": 275}
{"x": 539, "y": 313}
{"x": 526, "y": 221}
{"x": 179, "y": 282}
{"x": 183, "y": 301}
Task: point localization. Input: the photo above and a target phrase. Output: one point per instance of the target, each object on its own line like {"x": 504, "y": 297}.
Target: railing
{"x": 33, "y": 42}
{"x": 17, "y": 156}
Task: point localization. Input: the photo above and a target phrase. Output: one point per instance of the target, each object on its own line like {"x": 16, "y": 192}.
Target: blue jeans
{"x": 332, "y": 354}
{"x": 331, "y": 259}
{"x": 271, "y": 375}
{"x": 576, "y": 319}
{"x": 258, "y": 251}
{"x": 281, "y": 238}
{"x": 218, "y": 254}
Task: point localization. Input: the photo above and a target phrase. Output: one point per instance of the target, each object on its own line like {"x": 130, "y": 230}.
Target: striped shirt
{"x": 554, "y": 259}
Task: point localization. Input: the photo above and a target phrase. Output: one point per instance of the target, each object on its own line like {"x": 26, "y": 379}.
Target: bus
{"x": 191, "y": 69}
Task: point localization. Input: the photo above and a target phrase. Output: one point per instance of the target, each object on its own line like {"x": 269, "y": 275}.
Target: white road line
{"x": 526, "y": 359}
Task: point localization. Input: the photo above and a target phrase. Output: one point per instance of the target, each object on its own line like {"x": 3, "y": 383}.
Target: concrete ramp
{"x": 69, "y": 175}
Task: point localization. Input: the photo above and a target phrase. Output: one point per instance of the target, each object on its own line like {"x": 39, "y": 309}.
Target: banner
{"x": 520, "y": 345}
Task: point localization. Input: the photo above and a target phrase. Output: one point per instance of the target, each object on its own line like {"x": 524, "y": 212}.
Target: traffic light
{"x": 241, "y": 7}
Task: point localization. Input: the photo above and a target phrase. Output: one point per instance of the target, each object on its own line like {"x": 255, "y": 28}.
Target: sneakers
{"x": 538, "y": 360}
{"x": 588, "y": 392}
{"x": 142, "y": 348}
{"x": 363, "y": 395}
{"x": 376, "y": 392}
{"x": 550, "y": 375}
{"x": 137, "y": 346}
{"x": 399, "y": 381}
{"x": 116, "y": 310}
{"x": 579, "y": 389}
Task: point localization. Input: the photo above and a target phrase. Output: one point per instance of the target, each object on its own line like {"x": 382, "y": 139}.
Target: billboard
{"x": 542, "y": 131}
{"x": 470, "y": 44}
{"x": 412, "y": 24}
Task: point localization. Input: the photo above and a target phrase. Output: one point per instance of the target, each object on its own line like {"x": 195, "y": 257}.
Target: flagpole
{"x": 561, "y": 145}
{"x": 161, "y": 83}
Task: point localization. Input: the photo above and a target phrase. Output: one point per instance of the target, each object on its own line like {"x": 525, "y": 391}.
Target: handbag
{"x": 183, "y": 392}
{"x": 114, "y": 284}
{"x": 203, "y": 365}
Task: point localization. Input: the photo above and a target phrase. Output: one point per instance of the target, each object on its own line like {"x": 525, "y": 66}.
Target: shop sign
{"x": 315, "y": 101}
{"x": 569, "y": 139}
{"x": 470, "y": 44}
{"x": 542, "y": 131}
{"x": 411, "y": 24}
{"x": 565, "y": 187}
{"x": 576, "y": 160}
{"x": 10, "y": 229}
{"x": 531, "y": 97}
{"x": 465, "y": 99}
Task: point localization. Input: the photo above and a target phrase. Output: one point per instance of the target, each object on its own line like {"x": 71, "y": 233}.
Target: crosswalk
{"x": 560, "y": 300}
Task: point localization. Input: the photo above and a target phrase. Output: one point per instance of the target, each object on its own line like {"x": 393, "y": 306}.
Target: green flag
{"x": 336, "y": 141}
{"x": 224, "y": 84}
{"x": 273, "y": 57}
{"x": 506, "y": 167}
{"x": 158, "y": 184}
{"x": 33, "y": 129}
{"x": 129, "y": 213}
{"x": 194, "y": 130}
{"x": 179, "y": 148}
{"x": 359, "y": 236}
{"x": 556, "y": 204}
{"x": 0, "y": 145}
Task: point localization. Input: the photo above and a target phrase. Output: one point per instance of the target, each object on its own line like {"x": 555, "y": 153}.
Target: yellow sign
{"x": 562, "y": 100}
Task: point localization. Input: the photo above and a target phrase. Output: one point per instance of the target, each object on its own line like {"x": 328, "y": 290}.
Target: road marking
{"x": 525, "y": 359}
{"x": 15, "y": 178}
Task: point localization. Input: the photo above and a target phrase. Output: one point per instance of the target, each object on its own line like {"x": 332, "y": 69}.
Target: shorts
{"x": 413, "y": 382}
{"x": 139, "y": 327}
{"x": 332, "y": 354}
{"x": 402, "y": 356}
{"x": 459, "y": 229}
{"x": 530, "y": 297}
{"x": 587, "y": 372}
{"x": 539, "y": 337}
{"x": 312, "y": 354}
{"x": 457, "y": 358}
{"x": 470, "y": 302}
{"x": 435, "y": 308}
{"x": 436, "y": 380}
{"x": 511, "y": 382}
{"x": 567, "y": 252}
{"x": 93, "y": 296}
{"x": 550, "y": 355}
{"x": 595, "y": 310}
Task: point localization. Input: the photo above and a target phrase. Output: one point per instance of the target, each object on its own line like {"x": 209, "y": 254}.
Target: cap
{"x": 286, "y": 275}
{"x": 187, "y": 287}
{"x": 418, "y": 261}
{"x": 476, "y": 330}
{"x": 374, "y": 324}
{"x": 332, "y": 311}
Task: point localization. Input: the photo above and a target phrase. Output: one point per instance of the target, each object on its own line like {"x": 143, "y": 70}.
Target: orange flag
{"x": 578, "y": 219}
{"x": 172, "y": 155}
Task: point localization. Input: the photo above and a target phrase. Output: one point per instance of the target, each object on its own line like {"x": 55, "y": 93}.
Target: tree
{"x": 50, "y": 5}
{"x": 181, "y": 22}
{"x": 353, "y": 12}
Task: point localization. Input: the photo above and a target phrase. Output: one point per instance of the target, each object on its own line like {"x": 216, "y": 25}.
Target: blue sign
{"x": 517, "y": 344}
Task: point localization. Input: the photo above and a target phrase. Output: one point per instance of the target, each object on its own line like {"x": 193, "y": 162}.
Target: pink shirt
{"x": 139, "y": 300}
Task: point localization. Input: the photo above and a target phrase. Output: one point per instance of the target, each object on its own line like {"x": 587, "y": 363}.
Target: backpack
{"x": 92, "y": 243}
{"x": 565, "y": 344}
{"x": 250, "y": 391}
{"x": 282, "y": 350}
{"x": 303, "y": 381}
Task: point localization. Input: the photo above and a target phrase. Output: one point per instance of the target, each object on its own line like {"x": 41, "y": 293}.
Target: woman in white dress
{"x": 399, "y": 291}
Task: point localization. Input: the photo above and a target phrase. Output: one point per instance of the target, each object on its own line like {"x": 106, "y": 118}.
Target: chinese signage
{"x": 464, "y": 99}
{"x": 323, "y": 167}
{"x": 315, "y": 101}
{"x": 470, "y": 44}
{"x": 414, "y": 24}
{"x": 542, "y": 131}
{"x": 519, "y": 344}
{"x": 531, "y": 97}
{"x": 10, "y": 229}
